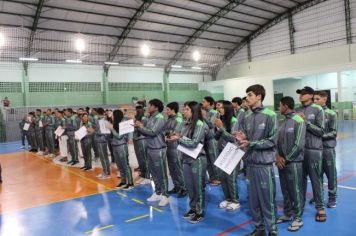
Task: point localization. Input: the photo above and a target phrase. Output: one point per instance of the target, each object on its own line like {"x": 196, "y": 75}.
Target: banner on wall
{"x": 354, "y": 110}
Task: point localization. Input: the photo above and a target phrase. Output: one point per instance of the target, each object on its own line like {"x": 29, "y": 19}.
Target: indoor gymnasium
{"x": 177, "y": 117}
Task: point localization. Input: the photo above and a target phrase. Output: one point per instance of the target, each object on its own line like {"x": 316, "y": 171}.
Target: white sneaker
{"x": 233, "y": 206}
{"x": 51, "y": 155}
{"x": 105, "y": 177}
{"x": 40, "y": 153}
{"x": 99, "y": 176}
{"x": 164, "y": 201}
{"x": 154, "y": 198}
{"x": 224, "y": 204}
{"x": 22, "y": 147}
{"x": 145, "y": 181}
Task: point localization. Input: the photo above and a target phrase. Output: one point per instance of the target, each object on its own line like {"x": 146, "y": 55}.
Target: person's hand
{"x": 281, "y": 163}
{"x": 90, "y": 130}
{"x": 301, "y": 114}
{"x": 218, "y": 123}
{"x": 244, "y": 144}
{"x": 174, "y": 137}
{"x": 110, "y": 126}
{"x": 240, "y": 136}
{"x": 138, "y": 124}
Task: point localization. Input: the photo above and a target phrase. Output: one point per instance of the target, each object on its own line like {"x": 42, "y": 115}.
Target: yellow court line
{"x": 98, "y": 229}
{"x": 138, "y": 201}
{"x": 157, "y": 209}
{"x": 121, "y": 194}
{"x": 137, "y": 218}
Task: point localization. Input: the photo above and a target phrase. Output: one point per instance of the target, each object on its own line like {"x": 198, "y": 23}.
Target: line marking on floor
{"x": 98, "y": 229}
{"x": 121, "y": 194}
{"x": 138, "y": 201}
{"x": 137, "y": 218}
{"x": 347, "y": 187}
{"x": 157, "y": 209}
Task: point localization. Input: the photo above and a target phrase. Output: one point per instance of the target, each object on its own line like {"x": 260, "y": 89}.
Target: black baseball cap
{"x": 305, "y": 90}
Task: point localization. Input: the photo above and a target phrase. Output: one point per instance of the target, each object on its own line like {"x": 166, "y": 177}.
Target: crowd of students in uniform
{"x": 301, "y": 144}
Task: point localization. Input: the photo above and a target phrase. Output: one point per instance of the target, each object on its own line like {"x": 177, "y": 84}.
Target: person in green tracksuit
{"x": 313, "y": 115}
{"x": 210, "y": 144}
{"x": 140, "y": 146}
{"x": 39, "y": 132}
{"x": 156, "y": 150}
{"x": 227, "y": 126}
{"x": 70, "y": 126}
{"x": 49, "y": 124}
{"x": 193, "y": 134}
{"x": 86, "y": 143}
{"x": 290, "y": 147}
{"x": 258, "y": 138}
{"x": 329, "y": 144}
{"x": 174, "y": 157}
{"x": 101, "y": 140}
{"x": 121, "y": 152}
{"x": 93, "y": 118}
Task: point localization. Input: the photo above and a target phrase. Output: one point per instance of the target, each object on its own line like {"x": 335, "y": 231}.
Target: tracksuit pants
{"x": 329, "y": 168}
{"x": 175, "y": 166}
{"x": 86, "y": 144}
{"x": 157, "y": 164}
{"x": 140, "y": 147}
{"x": 121, "y": 158}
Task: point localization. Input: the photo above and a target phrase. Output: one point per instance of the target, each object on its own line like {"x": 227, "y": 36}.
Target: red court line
{"x": 278, "y": 208}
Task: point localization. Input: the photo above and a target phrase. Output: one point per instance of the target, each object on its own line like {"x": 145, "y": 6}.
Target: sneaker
{"x": 189, "y": 215}
{"x": 128, "y": 187}
{"x": 51, "y": 155}
{"x": 312, "y": 201}
{"x": 145, "y": 181}
{"x": 182, "y": 193}
{"x": 224, "y": 204}
{"x": 88, "y": 169}
{"x": 331, "y": 204}
{"x": 233, "y": 206}
{"x": 40, "y": 153}
{"x": 197, "y": 218}
{"x": 272, "y": 233}
{"x": 105, "y": 177}
{"x": 64, "y": 159}
{"x": 283, "y": 219}
{"x": 164, "y": 201}
{"x": 99, "y": 175}
{"x": 257, "y": 233}
{"x": 74, "y": 163}
{"x": 174, "y": 190}
{"x": 83, "y": 167}
{"x": 121, "y": 185}
{"x": 69, "y": 162}
{"x": 22, "y": 147}
{"x": 154, "y": 198}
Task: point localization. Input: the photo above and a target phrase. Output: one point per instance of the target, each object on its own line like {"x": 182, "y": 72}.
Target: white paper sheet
{"x": 80, "y": 133}
{"x": 40, "y": 124}
{"x": 192, "y": 152}
{"x": 229, "y": 158}
{"x": 126, "y": 127}
{"x": 103, "y": 128}
{"x": 26, "y": 126}
{"x": 59, "y": 131}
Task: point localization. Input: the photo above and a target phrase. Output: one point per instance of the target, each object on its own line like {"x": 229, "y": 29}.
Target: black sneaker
{"x": 120, "y": 185}
{"x": 272, "y": 233}
{"x": 174, "y": 190}
{"x": 69, "y": 162}
{"x": 74, "y": 163}
{"x": 128, "y": 187}
{"x": 331, "y": 204}
{"x": 83, "y": 167}
{"x": 189, "y": 214}
{"x": 182, "y": 193}
{"x": 312, "y": 201}
{"x": 257, "y": 233}
{"x": 88, "y": 168}
{"x": 197, "y": 218}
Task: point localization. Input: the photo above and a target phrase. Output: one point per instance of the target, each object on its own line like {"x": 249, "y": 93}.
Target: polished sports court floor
{"x": 40, "y": 198}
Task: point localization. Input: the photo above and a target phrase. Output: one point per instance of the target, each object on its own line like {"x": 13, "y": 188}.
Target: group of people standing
{"x": 301, "y": 144}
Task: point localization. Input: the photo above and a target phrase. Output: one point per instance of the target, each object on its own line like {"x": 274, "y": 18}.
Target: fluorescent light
{"x": 28, "y": 59}
{"x": 145, "y": 50}
{"x": 80, "y": 44}
{"x": 74, "y": 61}
{"x": 176, "y": 66}
{"x": 151, "y": 65}
{"x": 111, "y": 63}
{"x": 2, "y": 39}
{"x": 196, "y": 55}
{"x": 196, "y": 67}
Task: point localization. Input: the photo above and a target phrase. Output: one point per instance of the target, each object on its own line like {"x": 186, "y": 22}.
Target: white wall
{"x": 288, "y": 87}
{"x": 11, "y": 72}
{"x": 135, "y": 74}
{"x": 64, "y": 73}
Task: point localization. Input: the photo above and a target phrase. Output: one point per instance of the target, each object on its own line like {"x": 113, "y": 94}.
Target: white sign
{"x": 229, "y": 158}
{"x": 40, "y": 124}
{"x": 126, "y": 127}
{"x": 103, "y": 128}
{"x": 59, "y": 131}
{"x": 26, "y": 126}
{"x": 192, "y": 152}
{"x": 81, "y": 133}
